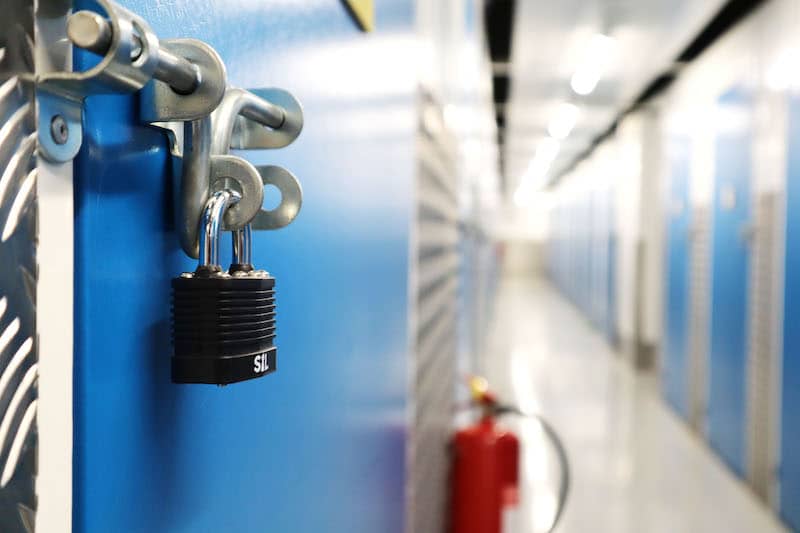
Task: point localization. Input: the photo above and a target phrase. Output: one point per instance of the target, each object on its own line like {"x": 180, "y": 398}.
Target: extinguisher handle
{"x": 499, "y": 410}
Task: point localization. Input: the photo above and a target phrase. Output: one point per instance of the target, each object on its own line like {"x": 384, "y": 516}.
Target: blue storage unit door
{"x": 730, "y": 278}
{"x": 789, "y": 473}
{"x": 318, "y": 446}
{"x": 611, "y": 320}
{"x": 675, "y": 367}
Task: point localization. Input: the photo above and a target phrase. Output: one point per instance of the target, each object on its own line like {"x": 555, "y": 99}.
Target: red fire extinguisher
{"x": 485, "y": 469}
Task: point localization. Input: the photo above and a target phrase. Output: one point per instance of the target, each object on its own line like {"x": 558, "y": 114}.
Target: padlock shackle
{"x": 210, "y": 225}
{"x": 242, "y": 246}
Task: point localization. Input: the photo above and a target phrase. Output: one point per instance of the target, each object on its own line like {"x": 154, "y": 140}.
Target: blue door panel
{"x": 789, "y": 472}
{"x": 676, "y": 317}
{"x": 730, "y": 279}
{"x": 319, "y": 445}
{"x": 611, "y": 320}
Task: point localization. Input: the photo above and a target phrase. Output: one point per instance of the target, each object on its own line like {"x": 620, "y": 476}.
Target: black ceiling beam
{"x": 732, "y": 12}
{"x": 500, "y": 85}
{"x": 500, "y": 117}
{"x": 499, "y": 18}
{"x": 499, "y": 21}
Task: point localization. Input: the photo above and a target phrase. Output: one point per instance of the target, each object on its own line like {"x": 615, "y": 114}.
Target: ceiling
{"x": 552, "y": 39}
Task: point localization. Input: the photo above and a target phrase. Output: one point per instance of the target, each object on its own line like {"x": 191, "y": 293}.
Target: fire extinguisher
{"x": 485, "y": 467}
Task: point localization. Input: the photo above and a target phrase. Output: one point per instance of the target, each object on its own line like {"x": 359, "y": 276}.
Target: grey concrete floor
{"x": 635, "y": 466}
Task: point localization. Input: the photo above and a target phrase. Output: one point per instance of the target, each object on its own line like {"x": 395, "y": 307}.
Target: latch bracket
{"x": 183, "y": 89}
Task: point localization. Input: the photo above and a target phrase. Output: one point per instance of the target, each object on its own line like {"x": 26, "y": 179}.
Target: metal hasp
{"x": 180, "y": 80}
{"x": 239, "y": 123}
{"x": 236, "y": 125}
{"x": 245, "y": 120}
{"x": 185, "y": 78}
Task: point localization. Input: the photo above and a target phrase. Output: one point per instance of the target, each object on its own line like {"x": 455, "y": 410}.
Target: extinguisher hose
{"x": 561, "y": 454}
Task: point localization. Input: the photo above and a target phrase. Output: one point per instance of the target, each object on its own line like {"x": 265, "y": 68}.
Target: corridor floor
{"x": 635, "y": 466}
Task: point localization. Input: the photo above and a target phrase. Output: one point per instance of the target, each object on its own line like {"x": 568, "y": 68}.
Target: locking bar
{"x": 179, "y": 79}
{"x": 90, "y": 31}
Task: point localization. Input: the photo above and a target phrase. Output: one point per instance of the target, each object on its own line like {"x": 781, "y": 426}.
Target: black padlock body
{"x": 223, "y": 329}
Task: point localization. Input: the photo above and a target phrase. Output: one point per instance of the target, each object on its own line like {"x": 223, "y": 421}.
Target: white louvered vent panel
{"x": 760, "y": 350}
{"x": 699, "y": 306}
{"x": 436, "y": 292}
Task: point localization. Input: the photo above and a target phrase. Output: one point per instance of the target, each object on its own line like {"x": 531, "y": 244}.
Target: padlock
{"x": 223, "y": 322}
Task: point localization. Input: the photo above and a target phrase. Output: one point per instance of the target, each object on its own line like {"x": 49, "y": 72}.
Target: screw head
{"x": 59, "y": 129}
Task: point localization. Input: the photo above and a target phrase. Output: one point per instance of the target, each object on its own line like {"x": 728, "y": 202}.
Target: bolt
{"x": 137, "y": 49}
{"x": 59, "y": 130}
{"x": 87, "y": 29}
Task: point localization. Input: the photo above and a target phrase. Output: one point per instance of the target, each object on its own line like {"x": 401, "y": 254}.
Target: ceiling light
{"x": 535, "y": 176}
{"x": 782, "y": 73}
{"x": 564, "y": 120}
{"x": 546, "y": 152}
{"x": 522, "y": 196}
{"x": 594, "y": 62}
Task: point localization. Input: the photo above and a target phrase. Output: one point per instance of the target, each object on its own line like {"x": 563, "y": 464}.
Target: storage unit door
{"x": 730, "y": 277}
{"x": 789, "y": 471}
{"x": 675, "y": 369}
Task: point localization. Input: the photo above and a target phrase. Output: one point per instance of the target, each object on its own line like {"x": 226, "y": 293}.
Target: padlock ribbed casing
{"x": 222, "y": 328}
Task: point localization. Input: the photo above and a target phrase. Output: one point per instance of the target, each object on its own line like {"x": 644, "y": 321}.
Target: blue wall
{"x": 319, "y": 446}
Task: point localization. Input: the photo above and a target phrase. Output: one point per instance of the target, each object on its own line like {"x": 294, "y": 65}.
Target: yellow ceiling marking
{"x": 364, "y": 13}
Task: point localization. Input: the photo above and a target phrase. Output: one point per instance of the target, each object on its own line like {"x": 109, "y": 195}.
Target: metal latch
{"x": 182, "y": 87}
{"x": 184, "y": 78}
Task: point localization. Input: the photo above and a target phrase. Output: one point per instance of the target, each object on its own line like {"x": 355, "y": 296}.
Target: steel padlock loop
{"x": 242, "y": 261}
{"x": 210, "y": 226}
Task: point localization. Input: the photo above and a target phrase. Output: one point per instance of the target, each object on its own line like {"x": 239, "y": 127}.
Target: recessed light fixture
{"x": 782, "y": 74}
{"x": 563, "y": 121}
{"x": 535, "y": 176}
{"x": 595, "y": 59}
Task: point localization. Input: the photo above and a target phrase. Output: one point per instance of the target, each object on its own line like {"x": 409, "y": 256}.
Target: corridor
{"x": 634, "y": 466}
